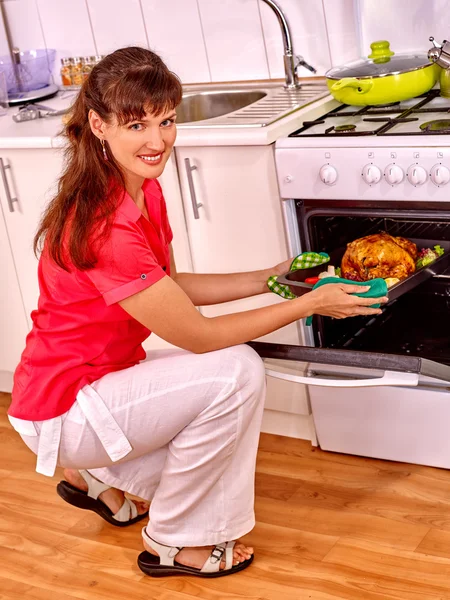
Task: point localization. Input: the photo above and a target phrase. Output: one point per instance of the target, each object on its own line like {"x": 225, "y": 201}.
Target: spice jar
{"x": 87, "y": 66}
{"x": 77, "y": 70}
{"x": 66, "y": 71}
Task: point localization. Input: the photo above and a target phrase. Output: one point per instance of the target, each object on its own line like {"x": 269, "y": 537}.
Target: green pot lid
{"x": 380, "y": 63}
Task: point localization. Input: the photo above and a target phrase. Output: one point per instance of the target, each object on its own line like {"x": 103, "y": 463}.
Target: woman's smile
{"x": 151, "y": 159}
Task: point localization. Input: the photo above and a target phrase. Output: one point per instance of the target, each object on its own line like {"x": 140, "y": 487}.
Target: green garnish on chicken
{"x": 429, "y": 255}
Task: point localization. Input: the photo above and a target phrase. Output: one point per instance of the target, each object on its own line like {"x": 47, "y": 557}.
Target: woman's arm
{"x": 166, "y": 309}
{"x": 205, "y": 289}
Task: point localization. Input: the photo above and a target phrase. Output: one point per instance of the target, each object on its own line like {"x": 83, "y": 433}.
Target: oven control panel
{"x": 357, "y": 173}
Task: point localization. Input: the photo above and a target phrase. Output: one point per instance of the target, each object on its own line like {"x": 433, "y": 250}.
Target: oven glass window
{"x": 417, "y": 323}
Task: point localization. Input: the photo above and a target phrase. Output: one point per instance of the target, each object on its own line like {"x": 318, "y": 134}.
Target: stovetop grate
{"x": 386, "y": 118}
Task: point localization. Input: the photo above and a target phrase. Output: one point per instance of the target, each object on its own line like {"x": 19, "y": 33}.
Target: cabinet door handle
{"x": 9, "y": 198}
{"x": 195, "y": 205}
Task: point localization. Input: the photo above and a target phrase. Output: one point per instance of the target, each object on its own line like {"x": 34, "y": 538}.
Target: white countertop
{"x": 39, "y": 133}
{"x": 45, "y": 132}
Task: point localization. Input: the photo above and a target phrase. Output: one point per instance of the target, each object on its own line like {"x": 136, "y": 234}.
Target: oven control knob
{"x": 371, "y": 174}
{"x": 440, "y": 175}
{"x": 394, "y": 174}
{"x": 417, "y": 175}
{"x": 328, "y": 174}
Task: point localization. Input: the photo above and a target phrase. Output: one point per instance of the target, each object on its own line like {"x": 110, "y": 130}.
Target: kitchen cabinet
{"x": 232, "y": 207}
{"x": 30, "y": 180}
{"x": 234, "y": 218}
{"x": 13, "y": 321}
{"x": 234, "y": 221}
{"x": 26, "y": 179}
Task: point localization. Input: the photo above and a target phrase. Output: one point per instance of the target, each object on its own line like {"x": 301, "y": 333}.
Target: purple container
{"x": 34, "y": 70}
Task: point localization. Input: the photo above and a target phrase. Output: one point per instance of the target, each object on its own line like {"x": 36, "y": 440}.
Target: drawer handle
{"x": 195, "y": 205}
{"x": 9, "y": 198}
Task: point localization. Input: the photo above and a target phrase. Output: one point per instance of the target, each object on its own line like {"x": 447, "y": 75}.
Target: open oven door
{"x": 371, "y": 404}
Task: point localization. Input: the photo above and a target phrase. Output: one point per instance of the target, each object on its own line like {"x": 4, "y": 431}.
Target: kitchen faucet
{"x": 291, "y": 61}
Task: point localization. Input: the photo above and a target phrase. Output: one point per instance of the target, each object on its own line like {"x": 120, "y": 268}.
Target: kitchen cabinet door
{"x": 180, "y": 243}
{"x": 13, "y": 321}
{"x": 172, "y": 194}
{"x": 234, "y": 218}
{"x": 28, "y": 182}
{"x": 236, "y": 222}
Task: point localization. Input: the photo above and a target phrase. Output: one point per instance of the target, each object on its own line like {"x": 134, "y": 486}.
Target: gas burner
{"x": 438, "y": 125}
{"x": 344, "y": 128}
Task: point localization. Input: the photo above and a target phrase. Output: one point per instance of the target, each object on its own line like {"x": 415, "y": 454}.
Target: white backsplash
{"x": 308, "y": 32}
{"x": 201, "y": 40}
{"x": 343, "y": 30}
{"x": 233, "y": 39}
{"x": 222, "y": 40}
{"x": 174, "y": 31}
{"x": 406, "y": 24}
{"x": 66, "y": 26}
{"x": 125, "y": 27}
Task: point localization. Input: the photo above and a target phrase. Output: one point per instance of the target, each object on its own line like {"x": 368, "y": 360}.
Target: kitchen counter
{"x": 39, "y": 133}
{"x": 46, "y": 132}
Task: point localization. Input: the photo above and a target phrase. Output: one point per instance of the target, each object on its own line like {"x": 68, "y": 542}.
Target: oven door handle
{"x": 393, "y": 378}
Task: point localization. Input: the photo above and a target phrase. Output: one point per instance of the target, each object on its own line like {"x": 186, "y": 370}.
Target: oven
{"x": 415, "y": 324}
{"x": 378, "y": 386}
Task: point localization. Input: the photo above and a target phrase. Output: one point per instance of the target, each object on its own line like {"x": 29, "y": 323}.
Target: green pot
{"x": 383, "y": 78}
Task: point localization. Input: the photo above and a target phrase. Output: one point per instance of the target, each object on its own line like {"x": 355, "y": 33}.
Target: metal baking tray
{"x": 296, "y": 279}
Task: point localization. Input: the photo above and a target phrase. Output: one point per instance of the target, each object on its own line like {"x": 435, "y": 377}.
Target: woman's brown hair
{"x": 123, "y": 85}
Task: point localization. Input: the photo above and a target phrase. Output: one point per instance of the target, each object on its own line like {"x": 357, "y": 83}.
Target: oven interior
{"x": 415, "y": 324}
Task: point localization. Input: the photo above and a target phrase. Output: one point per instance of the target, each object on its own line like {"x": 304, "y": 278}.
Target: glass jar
{"x": 77, "y": 70}
{"x": 87, "y": 66}
{"x": 66, "y": 71}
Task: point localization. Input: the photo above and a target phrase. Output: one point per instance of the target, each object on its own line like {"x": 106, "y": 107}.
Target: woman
{"x": 180, "y": 428}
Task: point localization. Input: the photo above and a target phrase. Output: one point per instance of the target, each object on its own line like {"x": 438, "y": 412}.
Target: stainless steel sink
{"x": 208, "y": 105}
{"x": 243, "y": 105}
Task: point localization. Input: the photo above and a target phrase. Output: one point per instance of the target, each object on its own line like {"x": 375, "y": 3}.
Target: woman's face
{"x": 142, "y": 147}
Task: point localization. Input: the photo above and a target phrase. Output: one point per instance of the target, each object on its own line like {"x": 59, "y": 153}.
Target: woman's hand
{"x": 334, "y": 300}
{"x": 282, "y": 267}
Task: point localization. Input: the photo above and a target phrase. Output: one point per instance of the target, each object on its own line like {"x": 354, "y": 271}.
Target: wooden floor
{"x": 329, "y": 527}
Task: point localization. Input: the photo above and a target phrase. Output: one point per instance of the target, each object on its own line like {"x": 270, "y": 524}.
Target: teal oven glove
{"x": 378, "y": 289}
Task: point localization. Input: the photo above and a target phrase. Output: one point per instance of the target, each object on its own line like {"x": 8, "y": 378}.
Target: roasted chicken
{"x": 379, "y": 255}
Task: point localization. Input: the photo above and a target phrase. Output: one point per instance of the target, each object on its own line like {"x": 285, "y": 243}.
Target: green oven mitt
{"x": 378, "y": 289}
{"x": 306, "y": 260}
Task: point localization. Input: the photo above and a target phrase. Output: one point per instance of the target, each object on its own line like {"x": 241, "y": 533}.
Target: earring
{"x": 105, "y": 154}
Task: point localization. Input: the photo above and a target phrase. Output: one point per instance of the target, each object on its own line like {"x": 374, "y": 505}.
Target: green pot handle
{"x": 362, "y": 86}
{"x": 381, "y": 52}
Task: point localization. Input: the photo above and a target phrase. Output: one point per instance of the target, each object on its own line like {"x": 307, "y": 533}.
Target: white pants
{"x": 185, "y": 428}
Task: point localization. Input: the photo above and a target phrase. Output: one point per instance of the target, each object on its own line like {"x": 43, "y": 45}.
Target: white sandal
{"x": 165, "y": 564}
{"x": 126, "y": 515}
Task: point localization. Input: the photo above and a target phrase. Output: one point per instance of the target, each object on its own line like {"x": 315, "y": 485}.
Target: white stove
{"x": 351, "y": 173}
{"x": 397, "y": 152}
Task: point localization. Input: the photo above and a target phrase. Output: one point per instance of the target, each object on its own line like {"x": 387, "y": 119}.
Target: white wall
{"x": 217, "y": 40}
{"x": 406, "y": 24}
{"x": 201, "y": 40}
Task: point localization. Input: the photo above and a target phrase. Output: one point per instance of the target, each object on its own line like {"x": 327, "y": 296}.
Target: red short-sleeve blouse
{"x": 79, "y": 331}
